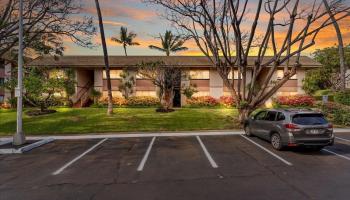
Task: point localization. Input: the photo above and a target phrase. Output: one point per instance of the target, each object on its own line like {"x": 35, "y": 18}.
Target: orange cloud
{"x": 122, "y": 11}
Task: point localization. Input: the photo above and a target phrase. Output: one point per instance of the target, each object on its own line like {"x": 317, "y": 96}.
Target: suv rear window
{"x": 309, "y": 119}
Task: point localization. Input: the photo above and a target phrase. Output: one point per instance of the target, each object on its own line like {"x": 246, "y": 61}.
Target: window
{"x": 271, "y": 116}
{"x": 261, "y": 115}
{"x": 280, "y": 75}
{"x": 309, "y": 119}
{"x": 199, "y": 74}
{"x": 115, "y": 74}
{"x": 2, "y": 80}
{"x": 280, "y": 117}
{"x": 235, "y": 75}
{"x": 1, "y": 99}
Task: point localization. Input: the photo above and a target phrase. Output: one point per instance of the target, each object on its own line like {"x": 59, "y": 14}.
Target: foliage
{"x": 342, "y": 97}
{"x": 127, "y": 84}
{"x": 316, "y": 79}
{"x": 164, "y": 77}
{"x": 170, "y": 43}
{"x": 142, "y": 101}
{"x": 338, "y": 113}
{"x": 227, "y": 101}
{"x": 46, "y": 24}
{"x": 125, "y": 38}
{"x": 95, "y": 95}
{"x": 202, "y": 101}
{"x": 44, "y": 87}
{"x": 296, "y": 100}
{"x": 189, "y": 91}
{"x": 329, "y": 75}
{"x": 135, "y": 101}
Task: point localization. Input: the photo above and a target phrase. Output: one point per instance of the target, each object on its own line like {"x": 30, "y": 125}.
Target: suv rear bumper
{"x": 312, "y": 142}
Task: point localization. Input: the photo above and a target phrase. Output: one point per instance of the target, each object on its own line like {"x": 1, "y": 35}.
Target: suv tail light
{"x": 291, "y": 126}
{"x": 330, "y": 126}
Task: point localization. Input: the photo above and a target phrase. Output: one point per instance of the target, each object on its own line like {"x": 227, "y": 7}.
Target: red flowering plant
{"x": 296, "y": 100}
{"x": 227, "y": 101}
{"x": 202, "y": 101}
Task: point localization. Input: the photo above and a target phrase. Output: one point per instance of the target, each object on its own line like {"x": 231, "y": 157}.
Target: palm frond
{"x": 156, "y": 48}
{"x": 114, "y": 39}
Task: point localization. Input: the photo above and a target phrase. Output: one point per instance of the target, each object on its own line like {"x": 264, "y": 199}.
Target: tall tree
{"x": 170, "y": 43}
{"x": 341, "y": 52}
{"x": 216, "y": 27}
{"x": 125, "y": 38}
{"x": 46, "y": 24}
{"x": 105, "y": 56}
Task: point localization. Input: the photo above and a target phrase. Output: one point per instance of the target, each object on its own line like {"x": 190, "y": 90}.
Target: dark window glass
{"x": 271, "y": 116}
{"x": 280, "y": 117}
{"x": 309, "y": 119}
{"x": 2, "y": 80}
{"x": 261, "y": 115}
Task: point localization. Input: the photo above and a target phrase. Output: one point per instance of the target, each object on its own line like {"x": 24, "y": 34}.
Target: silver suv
{"x": 290, "y": 128}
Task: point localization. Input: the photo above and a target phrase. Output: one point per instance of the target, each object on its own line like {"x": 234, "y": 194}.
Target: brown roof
{"x": 122, "y": 61}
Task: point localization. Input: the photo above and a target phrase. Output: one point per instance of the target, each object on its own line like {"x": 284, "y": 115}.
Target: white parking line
{"x": 339, "y": 138}
{"x": 145, "y": 157}
{"x": 211, "y": 160}
{"x": 78, "y": 157}
{"x": 268, "y": 151}
{"x": 332, "y": 152}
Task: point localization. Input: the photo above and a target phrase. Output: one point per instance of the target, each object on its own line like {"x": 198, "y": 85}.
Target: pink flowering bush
{"x": 227, "y": 101}
{"x": 297, "y": 100}
{"x": 202, "y": 101}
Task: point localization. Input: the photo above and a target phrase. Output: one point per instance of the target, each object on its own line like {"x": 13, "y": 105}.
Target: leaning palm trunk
{"x": 105, "y": 54}
{"x": 342, "y": 70}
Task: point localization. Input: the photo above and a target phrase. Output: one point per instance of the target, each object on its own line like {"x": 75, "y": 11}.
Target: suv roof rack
{"x": 297, "y": 109}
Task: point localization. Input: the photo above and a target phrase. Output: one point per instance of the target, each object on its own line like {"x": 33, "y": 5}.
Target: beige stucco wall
{"x": 216, "y": 84}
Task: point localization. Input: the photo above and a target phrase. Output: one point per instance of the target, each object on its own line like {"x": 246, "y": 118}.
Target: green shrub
{"x": 142, "y": 101}
{"x": 342, "y": 118}
{"x": 323, "y": 92}
{"x": 342, "y": 97}
{"x": 202, "y": 101}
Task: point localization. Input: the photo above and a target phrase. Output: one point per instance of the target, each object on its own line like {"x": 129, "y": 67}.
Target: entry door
{"x": 177, "y": 98}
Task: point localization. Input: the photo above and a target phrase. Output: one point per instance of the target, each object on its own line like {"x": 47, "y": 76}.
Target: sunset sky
{"x": 145, "y": 21}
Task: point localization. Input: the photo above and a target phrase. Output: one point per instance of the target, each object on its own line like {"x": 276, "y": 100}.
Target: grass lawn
{"x": 95, "y": 120}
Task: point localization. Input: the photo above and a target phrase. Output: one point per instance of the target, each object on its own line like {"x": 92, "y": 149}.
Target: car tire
{"x": 276, "y": 141}
{"x": 247, "y": 131}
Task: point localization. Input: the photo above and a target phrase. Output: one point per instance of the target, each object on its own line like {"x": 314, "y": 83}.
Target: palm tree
{"x": 125, "y": 38}
{"x": 105, "y": 55}
{"x": 170, "y": 43}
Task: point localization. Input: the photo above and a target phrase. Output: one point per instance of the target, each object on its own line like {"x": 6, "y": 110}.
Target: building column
{"x": 185, "y": 82}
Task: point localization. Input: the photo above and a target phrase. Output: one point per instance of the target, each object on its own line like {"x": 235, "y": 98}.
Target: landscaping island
{"x": 95, "y": 120}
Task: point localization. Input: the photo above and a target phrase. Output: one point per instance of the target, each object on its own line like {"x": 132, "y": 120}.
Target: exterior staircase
{"x": 82, "y": 97}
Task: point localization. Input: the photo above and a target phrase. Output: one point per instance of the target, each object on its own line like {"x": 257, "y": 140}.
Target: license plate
{"x": 314, "y": 131}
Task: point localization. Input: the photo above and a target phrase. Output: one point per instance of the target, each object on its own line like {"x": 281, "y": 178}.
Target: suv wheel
{"x": 247, "y": 131}
{"x": 276, "y": 141}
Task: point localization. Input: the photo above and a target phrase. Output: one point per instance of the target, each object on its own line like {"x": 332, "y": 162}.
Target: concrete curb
{"x": 146, "y": 134}
{"x": 25, "y": 148}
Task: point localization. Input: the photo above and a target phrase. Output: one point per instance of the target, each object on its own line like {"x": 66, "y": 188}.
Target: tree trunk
{"x": 126, "y": 54}
{"x": 244, "y": 114}
{"x": 340, "y": 47}
{"x": 105, "y": 54}
{"x": 167, "y": 99}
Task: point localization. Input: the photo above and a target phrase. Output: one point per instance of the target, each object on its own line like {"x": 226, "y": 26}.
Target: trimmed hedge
{"x": 296, "y": 100}
{"x": 136, "y": 101}
{"x": 202, "y": 101}
{"x": 209, "y": 101}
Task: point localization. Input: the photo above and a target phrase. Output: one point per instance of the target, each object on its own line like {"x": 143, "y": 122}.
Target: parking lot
{"x": 176, "y": 167}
